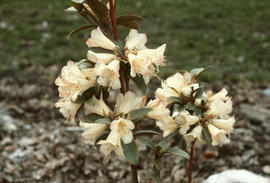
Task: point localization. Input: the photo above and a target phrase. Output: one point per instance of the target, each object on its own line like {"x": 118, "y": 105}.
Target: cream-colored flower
{"x": 218, "y": 136}
{"x": 196, "y": 133}
{"x": 167, "y": 125}
{"x": 120, "y": 130}
{"x": 73, "y": 81}
{"x": 99, "y": 108}
{"x": 224, "y": 124}
{"x": 159, "y": 110}
{"x": 175, "y": 86}
{"x": 135, "y": 41}
{"x": 128, "y": 102}
{"x": 100, "y": 58}
{"x": 67, "y": 108}
{"x": 92, "y": 130}
{"x": 141, "y": 65}
{"x": 219, "y": 104}
{"x": 156, "y": 56}
{"x": 108, "y": 74}
{"x": 185, "y": 120}
{"x": 98, "y": 39}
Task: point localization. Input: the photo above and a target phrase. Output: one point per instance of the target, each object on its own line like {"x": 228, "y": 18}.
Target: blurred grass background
{"x": 230, "y": 35}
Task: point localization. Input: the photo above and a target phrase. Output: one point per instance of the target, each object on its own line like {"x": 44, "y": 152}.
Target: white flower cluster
{"x": 194, "y": 115}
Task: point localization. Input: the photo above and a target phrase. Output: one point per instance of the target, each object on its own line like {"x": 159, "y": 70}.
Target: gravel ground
{"x": 36, "y": 146}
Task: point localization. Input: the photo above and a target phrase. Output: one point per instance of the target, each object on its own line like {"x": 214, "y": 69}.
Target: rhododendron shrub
{"x": 97, "y": 87}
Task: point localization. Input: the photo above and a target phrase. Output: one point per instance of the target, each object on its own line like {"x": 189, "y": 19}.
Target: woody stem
{"x": 190, "y": 161}
{"x": 112, "y": 14}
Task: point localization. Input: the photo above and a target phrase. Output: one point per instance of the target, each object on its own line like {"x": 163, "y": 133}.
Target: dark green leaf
{"x": 192, "y": 107}
{"x": 207, "y": 134}
{"x": 195, "y": 73}
{"x": 140, "y": 84}
{"x": 130, "y": 25}
{"x": 80, "y": 29}
{"x": 85, "y": 96}
{"x": 175, "y": 99}
{"x": 164, "y": 145}
{"x": 103, "y": 121}
{"x": 129, "y": 21}
{"x": 127, "y": 18}
{"x": 99, "y": 8}
{"x": 139, "y": 113}
{"x": 92, "y": 118}
{"x": 145, "y": 132}
{"x": 103, "y": 136}
{"x": 131, "y": 152}
{"x": 91, "y": 101}
{"x": 147, "y": 142}
{"x": 155, "y": 176}
{"x": 199, "y": 92}
{"x": 77, "y": 5}
{"x": 178, "y": 152}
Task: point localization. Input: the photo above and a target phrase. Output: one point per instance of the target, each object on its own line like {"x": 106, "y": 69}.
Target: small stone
{"x": 266, "y": 169}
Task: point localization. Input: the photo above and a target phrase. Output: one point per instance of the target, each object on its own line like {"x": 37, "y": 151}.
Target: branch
{"x": 112, "y": 14}
{"x": 190, "y": 161}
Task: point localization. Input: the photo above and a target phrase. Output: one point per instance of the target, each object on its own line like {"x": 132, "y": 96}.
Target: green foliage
{"x": 129, "y": 21}
{"x": 140, "y": 84}
{"x": 147, "y": 142}
{"x": 138, "y": 114}
{"x": 92, "y": 118}
{"x": 177, "y": 152}
{"x": 131, "y": 152}
{"x": 145, "y": 132}
{"x": 103, "y": 121}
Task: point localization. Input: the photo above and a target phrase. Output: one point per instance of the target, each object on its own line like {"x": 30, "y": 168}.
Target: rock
{"x": 267, "y": 92}
{"x": 266, "y": 169}
{"x": 255, "y": 113}
{"x": 236, "y": 176}
{"x": 19, "y": 155}
{"x": 7, "y": 123}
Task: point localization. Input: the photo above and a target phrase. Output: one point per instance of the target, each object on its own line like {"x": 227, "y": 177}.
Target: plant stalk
{"x": 134, "y": 174}
{"x": 190, "y": 161}
{"x": 112, "y": 14}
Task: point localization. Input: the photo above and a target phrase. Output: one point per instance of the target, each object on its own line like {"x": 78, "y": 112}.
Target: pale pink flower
{"x": 99, "y": 108}
{"x": 156, "y": 56}
{"x": 224, "y": 124}
{"x": 67, "y": 108}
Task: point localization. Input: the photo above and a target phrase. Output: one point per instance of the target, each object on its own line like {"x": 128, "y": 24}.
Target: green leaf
{"x": 91, "y": 101}
{"x": 103, "y": 136}
{"x": 207, "y": 134}
{"x": 199, "y": 92}
{"x": 78, "y": 29}
{"x": 155, "y": 176}
{"x": 130, "y": 25}
{"x": 92, "y": 118}
{"x": 127, "y": 18}
{"x": 147, "y": 142}
{"x": 86, "y": 95}
{"x": 175, "y": 99}
{"x": 195, "y": 73}
{"x": 192, "y": 107}
{"x": 99, "y": 8}
{"x": 139, "y": 82}
{"x": 145, "y": 132}
{"x": 131, "y": 152}
{"x": 129, "y": 21}
{"x": 103, "y": 121}
{"x": 164, "y": 145}
{"x": 178, "y": 152}
{"x": 77, "y": 5}
{"x": 139, "y": 113}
